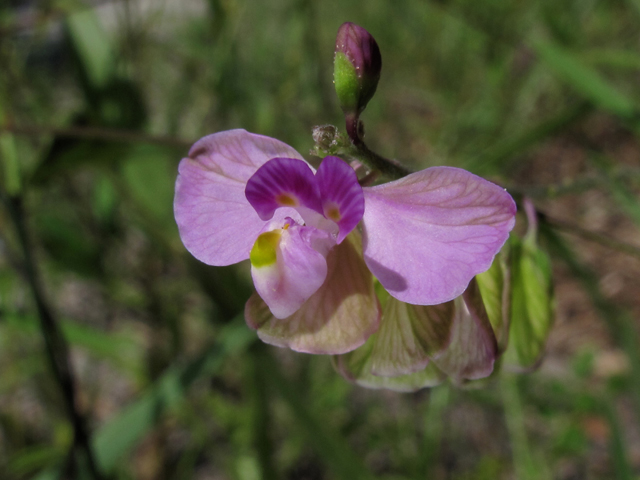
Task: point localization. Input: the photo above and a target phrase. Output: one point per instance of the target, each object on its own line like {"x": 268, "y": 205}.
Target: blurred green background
{"x": 100, "y": 100}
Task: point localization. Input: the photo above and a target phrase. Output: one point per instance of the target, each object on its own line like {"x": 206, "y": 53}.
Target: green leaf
{"x": 115, "y": 439}
{"x": 150, "y": 174}
{"x": 532, "y": 304}
{"x": 92, "y": 46}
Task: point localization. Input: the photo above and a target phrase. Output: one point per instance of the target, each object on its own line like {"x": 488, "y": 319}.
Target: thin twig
{"x": 96, "y": 133}
{"x": 578, "y": 231}
{"x": 56, "y": 345}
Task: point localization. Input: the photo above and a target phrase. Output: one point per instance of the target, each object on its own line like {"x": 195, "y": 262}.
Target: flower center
{"x": 331, "y": 199}
{"x": 286, "y": 200}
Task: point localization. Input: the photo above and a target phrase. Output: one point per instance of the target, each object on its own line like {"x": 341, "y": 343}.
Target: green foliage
{"x": 98, "y": 105}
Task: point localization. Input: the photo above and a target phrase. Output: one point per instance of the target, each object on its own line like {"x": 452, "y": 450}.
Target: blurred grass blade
{"x": 119, "y": 347}
{"x": 32, "y": 459}
{"x": 627, "y": 199}
{"x": 618, "y": 320}
{"x": 434, "y": 424}
{"x": 259, "y": 394}
{"x": 330, "y": 446}
{"x": 119, "y": 436}
{"x": 611, "y": 57}
{"x": 584, "y": 80}
{"x": 9, "y": 165}
{"x": 622, "y": 468}
{"x": 504, "y": 152}
{"x": 92, "y": 46}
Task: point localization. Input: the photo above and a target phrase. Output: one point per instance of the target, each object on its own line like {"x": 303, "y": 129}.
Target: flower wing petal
{"x": 426, "y": 235}
{"x": 473, "y": 348}
{"x": 342, "y": 197}
{"x": 338, "y": 318}
{"x": 288, "y": 266}
{"x": 216, "y": 222}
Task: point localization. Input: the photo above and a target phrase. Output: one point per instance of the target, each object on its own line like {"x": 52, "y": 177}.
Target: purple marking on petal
{"x": 300, "y": 269}
{"x": 428, "y": 234}
{"x": 342, "y": 197}
{"x": 216, "y": 222}
{"x": 283, "y": 182}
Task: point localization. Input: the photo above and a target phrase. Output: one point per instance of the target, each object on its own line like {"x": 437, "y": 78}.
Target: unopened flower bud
{"x": 356, "y": 68}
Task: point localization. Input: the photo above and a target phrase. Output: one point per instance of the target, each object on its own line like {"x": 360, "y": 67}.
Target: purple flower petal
{"x": 289, "y": 265}
{"x": 216, "y": 222}
{"x": 283, "y": 182}
{"x": 426, "y": 235}
{"x": 342, "y": 197}
{"x": 473, "y": 348}
{"x": 338, "y": 318}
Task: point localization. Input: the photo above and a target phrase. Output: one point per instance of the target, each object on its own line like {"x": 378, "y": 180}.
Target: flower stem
{"x": 259, "y": 398}
{"x": 523, "y": 462}
{"x": 386, "y": 166}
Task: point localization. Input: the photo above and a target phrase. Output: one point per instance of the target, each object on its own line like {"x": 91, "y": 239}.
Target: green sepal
{"x": 495, "y": 288}
{"x": 409, "y": 336}
{"x": 347, "y": 84}
{"x": 356, "y": 367}
{"x": 532, "y": 304}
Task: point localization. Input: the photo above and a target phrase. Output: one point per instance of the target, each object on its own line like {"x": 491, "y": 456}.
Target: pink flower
{"x": 315, "y": 238}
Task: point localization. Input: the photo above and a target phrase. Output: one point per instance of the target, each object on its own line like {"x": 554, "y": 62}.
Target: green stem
{"x": 514, "y": 416}
{"x": 260, "y": 418}
{"x": 621, "y": 465}
{"x": 433, "y": 431}
{"x": 371, "y": 159}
